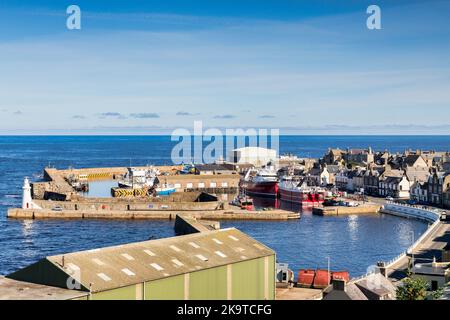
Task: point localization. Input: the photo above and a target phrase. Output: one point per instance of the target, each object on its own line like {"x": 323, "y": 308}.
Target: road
{"x": 429, "y": 248}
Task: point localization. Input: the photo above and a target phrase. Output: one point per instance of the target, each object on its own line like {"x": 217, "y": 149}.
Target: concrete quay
{"x": 230, "y": 214}
{"x": 424, "y": 251}
{"x": 187, "y": 225}
{"x": 342, "y": 210}
{"x": 57, "y": 187}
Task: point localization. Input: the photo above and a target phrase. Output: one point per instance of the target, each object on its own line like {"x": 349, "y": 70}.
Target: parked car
{"x": 389, "y": 199}
{"x": 57, "y": 208}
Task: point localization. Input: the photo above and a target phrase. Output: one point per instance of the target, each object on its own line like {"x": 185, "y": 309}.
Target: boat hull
{"x": 304, "y": 198}
{"x": 262, "y": 189}
{"x": 165, "y": 191}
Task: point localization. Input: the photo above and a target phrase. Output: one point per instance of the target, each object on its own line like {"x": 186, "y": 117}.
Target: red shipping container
{"x": 306, "y": 277}
{"x": 322, "y": 279}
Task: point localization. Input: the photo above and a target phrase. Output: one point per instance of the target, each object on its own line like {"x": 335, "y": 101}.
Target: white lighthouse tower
{"x": 27, "y": 202}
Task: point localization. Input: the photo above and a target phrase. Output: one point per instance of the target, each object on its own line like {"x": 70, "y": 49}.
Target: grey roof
{"x": 417, "y": 175}
{"x": 394, "y": 180}
{"x": 315, "y": 171}
{"x": 353, "y": 173}
{"x": 352, "y": 292}
{"x": 18, "y": 290}
{"x": 377, "y": 285}
{"x": 394, "y": 173}
{"x": 358, "y": 151}
{"x": 128, "y": 264}
{"x": 411, "y": 159}
{"x": 333, "y": 169}
{"x": 429, "y": 269}
{"x": 212, "y": 167}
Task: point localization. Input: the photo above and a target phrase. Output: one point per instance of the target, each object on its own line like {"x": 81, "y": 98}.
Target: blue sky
{"x": 307, "y": 67}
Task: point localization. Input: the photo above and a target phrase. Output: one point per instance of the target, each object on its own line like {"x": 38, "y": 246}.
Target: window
{"x": 434, "y": 285}
{"x": 189, "y": 185}
{"x": 201, "y": 185}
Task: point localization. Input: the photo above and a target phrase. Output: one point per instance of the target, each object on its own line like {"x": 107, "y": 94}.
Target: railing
{"x": 435, "y": 217}
{"x": 423, "y": 236}
{"x": 419, "y": 211}
{"x": 396, "y": 259}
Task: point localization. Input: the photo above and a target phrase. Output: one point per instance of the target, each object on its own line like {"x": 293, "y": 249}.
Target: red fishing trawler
{"x": 262, "y": 183}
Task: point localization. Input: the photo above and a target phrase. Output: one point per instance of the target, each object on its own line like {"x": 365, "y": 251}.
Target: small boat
{"x": 243, "y": 201}
{"x": 187, "y": 169}
{"x": 165, "y": 190}
{"x": 139, "y": 178}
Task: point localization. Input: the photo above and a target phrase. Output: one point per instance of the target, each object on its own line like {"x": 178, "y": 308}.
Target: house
{"x": 416, "y": 168}
{"x": 320, "y": 176}
{"x": 346, "y": 180}
{"x": 358, "y": 180}
{"x": 415, "y": 161}
{"x": 446, "y": 167}
{"x": 438, "y": 185}
{"x": 377, "y": 287}
{"x": 446, "y": 253}
{"x": 419, "y": 192}
{"x": 342, "y": 180}
{"x": 372, "y": 180}
{"x": 365, "y": 156}
{"x": 344, "y": 291}
{"x": 333, "y": 156}
{"x": 446, "y": 199}
{"x": 417, "y": 175}
{"x": 333, "y": 170}
{"x": 396, "y": 187}
{"x": 435, "y": 273}
{"x": 382, "y": 158}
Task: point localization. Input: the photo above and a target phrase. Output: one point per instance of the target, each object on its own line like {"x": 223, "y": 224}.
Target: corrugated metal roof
{"x": 19, "y": 290}
{"x": 119, "y": 266}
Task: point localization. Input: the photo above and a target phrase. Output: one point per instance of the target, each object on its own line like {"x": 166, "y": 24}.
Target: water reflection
{"x": 27, "y": 228}
{"x": 353, "y": 243}
{"x": 353, "y": 227}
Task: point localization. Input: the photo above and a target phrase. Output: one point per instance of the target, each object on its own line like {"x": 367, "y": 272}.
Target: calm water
{"x": 353, "y": 242}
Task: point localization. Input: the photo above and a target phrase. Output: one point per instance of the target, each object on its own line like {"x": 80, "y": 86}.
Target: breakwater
{"x": 231, "y": 214}
{"x": 409, "y": 211}
{"x": 342, "y": 210}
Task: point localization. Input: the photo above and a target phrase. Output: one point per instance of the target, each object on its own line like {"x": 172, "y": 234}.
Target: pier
{"x": 57, "y": 199}
{"x": 342, "y": 210}
{"x": 230, "y": 214}
{"x": 57, "y": 187}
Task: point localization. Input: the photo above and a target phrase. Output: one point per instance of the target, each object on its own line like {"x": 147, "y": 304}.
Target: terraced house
{"x": 438, "y": 185}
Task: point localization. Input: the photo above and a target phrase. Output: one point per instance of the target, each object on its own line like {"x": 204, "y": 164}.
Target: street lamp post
{"x": 412, "y": 249}
{"x": 328, "y": 270}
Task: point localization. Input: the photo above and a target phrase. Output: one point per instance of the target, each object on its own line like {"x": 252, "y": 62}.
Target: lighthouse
{"x": 27, "y": 202}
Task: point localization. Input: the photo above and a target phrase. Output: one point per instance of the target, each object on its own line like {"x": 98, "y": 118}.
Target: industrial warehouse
{"x": 219, "y": 264}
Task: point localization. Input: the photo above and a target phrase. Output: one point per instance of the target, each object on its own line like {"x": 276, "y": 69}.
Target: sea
{"x": 353, "y": 243}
